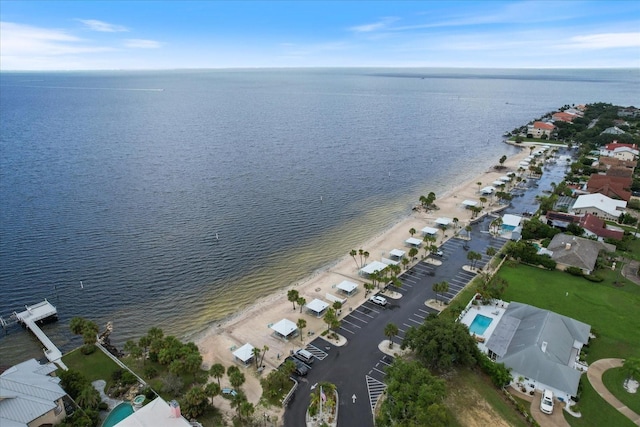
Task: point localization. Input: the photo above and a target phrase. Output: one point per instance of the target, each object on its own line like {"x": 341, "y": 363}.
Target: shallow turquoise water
{"x": 480, "y": 324}
{"x": 118, "y": 414}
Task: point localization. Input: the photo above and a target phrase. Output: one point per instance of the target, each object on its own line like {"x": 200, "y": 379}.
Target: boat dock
{"x": 30, "y": 317}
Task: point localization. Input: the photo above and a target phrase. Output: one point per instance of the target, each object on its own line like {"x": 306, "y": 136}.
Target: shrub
{"x": 116, "y": 375}
{"x": 103, "y": 406}
{"x": 574, "y": 271}
{"x": 128, "y": 378}
{"x": 150, "y": 372}
{"x": 87, "y": 349}
{"x": 593, "y": 278}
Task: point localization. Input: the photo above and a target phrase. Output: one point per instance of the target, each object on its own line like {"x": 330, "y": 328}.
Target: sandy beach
{"x": 251, "y": 325}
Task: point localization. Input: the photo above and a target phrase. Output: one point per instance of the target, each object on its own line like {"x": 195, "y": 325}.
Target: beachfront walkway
{"x": 596, "y": 369}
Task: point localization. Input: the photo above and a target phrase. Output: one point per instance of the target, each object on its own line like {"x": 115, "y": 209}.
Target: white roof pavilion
{"x": 317, "y": 306}
{"x": 412, "y": 241}
{"x": 488, "y": 190}
{"x": 469, "y": 203}
{"x": 284, "y": 328}
{"x": 505, "y": 178}
{"x": 497, "y": 183}
{"x": 444, "y": 221}
{"x": 509, "y": 220}
{"x": 374, "y": 266}
{"x": 397, "y": 253}
{"x": 429, "y": 231}
{"x": 348, "y": 287}
{"x": 244, "y": 353}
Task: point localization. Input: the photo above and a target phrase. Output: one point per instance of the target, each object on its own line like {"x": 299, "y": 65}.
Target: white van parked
{"x": 305, "y": 356}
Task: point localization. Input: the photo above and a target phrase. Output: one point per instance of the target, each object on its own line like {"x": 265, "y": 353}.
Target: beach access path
{"x": 252, "y": 324}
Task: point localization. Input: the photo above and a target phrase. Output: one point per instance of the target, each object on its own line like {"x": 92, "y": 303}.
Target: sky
{"x": 120, "y": 34}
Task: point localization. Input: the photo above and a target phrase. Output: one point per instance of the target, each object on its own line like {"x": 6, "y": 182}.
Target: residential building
{"x": 606, "y": 163}
{"x": 599, "y": 205}
{"x": 615, "y": 130}
{"x": 540, "y": 346}
{"x": 611, "y": 186}
{"x": 537, "y": 129}
{"x": 157, "y": 413}
{"x": 572, "y": 251}
{"x": 596, "y": 227}
{"x": 627, "y": 152}
{"x": 30, "y": 396}
{"x": 629, "y": 112}
{"x": 563, "y": 116}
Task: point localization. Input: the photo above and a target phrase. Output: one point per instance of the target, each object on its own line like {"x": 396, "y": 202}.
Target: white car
{"x": 439, "y": 253}
{"x": 377, "y": 299}
{"x": 546, "y": 403}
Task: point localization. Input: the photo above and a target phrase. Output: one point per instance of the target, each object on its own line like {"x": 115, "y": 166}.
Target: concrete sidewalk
{"x": 596, "y": 369}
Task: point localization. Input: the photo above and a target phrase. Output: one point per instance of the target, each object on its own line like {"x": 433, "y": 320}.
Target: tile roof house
{"x": 615, "y": 187}
{"x": 573, "y": 251}
{"x": 600, "y": 205}
{"x": 563, "y": 116}
{"x": 614, "y": 130}
{"x": 628, "y": 152}
{"x": 594, "y": 226}
{"x": 537, "y": 129}
{"x": 606, "y": 163}
{"x": 30, "y": 396}
{"x": 541, "y": 346}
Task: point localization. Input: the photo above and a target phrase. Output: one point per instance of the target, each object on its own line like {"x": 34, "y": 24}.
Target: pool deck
{"x": 493, "y": 311}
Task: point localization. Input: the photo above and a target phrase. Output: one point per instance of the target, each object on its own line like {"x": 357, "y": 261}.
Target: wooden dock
{"x": 30, "y": 317}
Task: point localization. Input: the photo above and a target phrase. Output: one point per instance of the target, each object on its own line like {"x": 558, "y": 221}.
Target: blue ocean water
{"x": 179, "y": 197}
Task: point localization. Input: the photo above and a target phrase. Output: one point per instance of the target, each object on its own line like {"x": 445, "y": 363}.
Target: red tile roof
{"x": 614, "y": 145}
{"x": 543, "y": 125}
{"x": 598, "y": 227}
{"x": 563, "y": 117}
{"x": 611, "y": 186}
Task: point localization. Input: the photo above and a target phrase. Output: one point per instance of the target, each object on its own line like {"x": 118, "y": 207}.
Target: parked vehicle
{"x": 305, "y": 356}
{"x": 546, "y": 403}
{"x": 301, "y": 368}
{"x": 377, "y": 299}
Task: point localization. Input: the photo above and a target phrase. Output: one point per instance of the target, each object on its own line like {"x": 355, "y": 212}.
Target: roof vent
{"x": 544, "y": 346}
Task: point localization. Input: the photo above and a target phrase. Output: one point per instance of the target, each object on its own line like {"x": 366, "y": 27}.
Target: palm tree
{"x": 293, "y": 296}
{"x": 405, "y": 260}
{"x": 212, "y": 390}
{"x": 412, "y": 231}
{"x": 353, "y": 254}
{"x": 473, "y": 257}
{"x": 301, "y": 302}
{"x": 366, "y": 255}
{"x": 88, "y": 398}
{"x": 330, "y": 318}
{"x": 245, "y": 410}
{"x": 413, "y": 252}
{"x": 491, "y": 251}
{"x": 479, "y": 185}
{"x": 361, "y": 253}
{"x": 256, "y": 355}
{"x": 483, "y": 200}
{"x": 217, "y": 371}
{"x": 236, "y": 378}
{"x": 390, "y": 331}
{"x": 423, "y": 201}
{"x": 301, "y": 324}
{"x": 440, "y": 287}
{"x": 631, "y": 368}
{"x": 455, "y": 222}
{"x": 468, "y": 230}
{"x": 264, "y": 352}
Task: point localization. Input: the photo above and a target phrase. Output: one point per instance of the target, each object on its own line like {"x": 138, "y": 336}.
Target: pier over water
{"x": 30, "y": 317}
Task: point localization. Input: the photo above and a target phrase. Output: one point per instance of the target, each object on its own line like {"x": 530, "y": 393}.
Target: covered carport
{"x": 443, "y": 222}
{"x": 317, "y": 307}
{"x": 284, "y": 329}
{"x": 469, "y": 203}
{"x": 413, "y": 242}
{"x": 347, "y": 287}
{"x": 429, "y": 231}
{"x": 244, "y": 354}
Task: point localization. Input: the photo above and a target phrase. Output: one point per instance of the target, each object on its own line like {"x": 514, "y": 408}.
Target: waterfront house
{"x": 572, "y": 251}
{"x": 599, "y": 205}
{"x": 615, "y": 187}
{"x": 30, "y": 396}
{"x": 537, "y": 129}
{"x": 627, "y": 152}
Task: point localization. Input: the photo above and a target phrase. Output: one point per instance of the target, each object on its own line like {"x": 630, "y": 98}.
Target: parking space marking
{"x": 317, "y": 353}
{"x": 347, "y": 330}
{"x": 375, "y": 389}
{"x": 356, "y": 318}
{"x": 414, "y": 321}
{"x": 418, "y": 315}
{"x": 352, "y": 324}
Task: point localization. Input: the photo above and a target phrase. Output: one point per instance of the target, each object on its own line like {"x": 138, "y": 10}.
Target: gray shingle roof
{"x": 27, "y": 392}
{"x": 522, "y": 333}
{"x": 581, "y": 253}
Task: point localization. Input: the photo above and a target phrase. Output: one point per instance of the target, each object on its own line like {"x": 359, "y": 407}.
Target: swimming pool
{"x": 480, "y": 324}
{"x": 118, "y": 414}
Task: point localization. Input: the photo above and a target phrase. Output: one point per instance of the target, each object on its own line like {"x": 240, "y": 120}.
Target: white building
{"x": 599, "y": 205}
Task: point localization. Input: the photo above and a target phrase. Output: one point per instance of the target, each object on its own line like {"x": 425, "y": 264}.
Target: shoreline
{"x": 217, "y": 340}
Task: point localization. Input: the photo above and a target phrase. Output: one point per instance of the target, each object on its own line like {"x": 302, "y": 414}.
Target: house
{"x": 572, "y": 251}
{"x": 537, "y": 129}
{"x": 596, "y": 227}
{"x": 599, "y": 205}
{"x": 629, "y": 112}
{"x": 614, "y": 187}
{"x": 614, "y": 130}
{"x": 540, "y": 346}
{"x": 627, "y": 152}
{"x": 563, "y": 116}
{"x": 30, "y": 396}
{"x": 606, "y": 163}
{"x": 156, "y": 413}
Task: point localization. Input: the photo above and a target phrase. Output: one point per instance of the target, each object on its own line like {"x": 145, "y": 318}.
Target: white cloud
{"x": 604, "y": 41}
{"x": 103, "y": 27}
{"x": 375, "y": 26}
{"x": 142, "y": 44}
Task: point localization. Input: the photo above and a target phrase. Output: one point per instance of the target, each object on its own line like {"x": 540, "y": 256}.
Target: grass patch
{"x": 613, "y": 379}
{"x": 608, "y": 309}
{"x": 596, "y": 411}
{"x": 464, "y": 385}
{"x": 95, "y": 366}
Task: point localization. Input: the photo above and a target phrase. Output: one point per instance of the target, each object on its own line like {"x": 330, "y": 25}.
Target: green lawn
{"x": 95, "y": 366}
{"x": 610, "y": 310}
{"x": 613, "y": 379}
{"x": 596, "y": 411}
